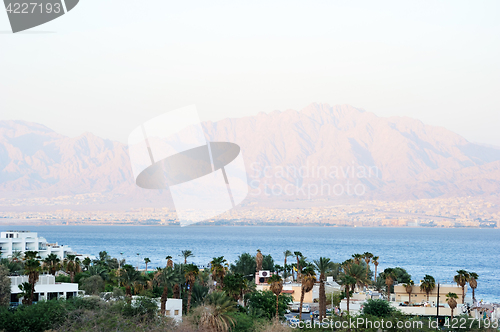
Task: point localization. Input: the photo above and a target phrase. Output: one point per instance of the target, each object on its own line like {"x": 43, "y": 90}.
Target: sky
{"x": 108, "y": 66}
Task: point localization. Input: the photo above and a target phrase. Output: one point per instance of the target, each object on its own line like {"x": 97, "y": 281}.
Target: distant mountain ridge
{"x": 412, "y": 160}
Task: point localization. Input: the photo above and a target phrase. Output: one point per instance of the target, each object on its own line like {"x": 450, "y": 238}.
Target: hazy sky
{"x": 109, "y": 65}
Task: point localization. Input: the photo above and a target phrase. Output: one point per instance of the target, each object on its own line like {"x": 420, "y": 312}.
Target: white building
{"x": 173, "y": 308}
{"x": 22, "y": 241}
{"x": 45, "y": 289}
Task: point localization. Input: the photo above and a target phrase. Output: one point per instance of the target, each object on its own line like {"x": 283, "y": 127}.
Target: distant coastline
{"x": 42, "y": 222}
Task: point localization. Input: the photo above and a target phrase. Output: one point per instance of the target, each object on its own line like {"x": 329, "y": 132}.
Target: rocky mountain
{"x": 320, "y": 152}
{"x": 35, "y": 158}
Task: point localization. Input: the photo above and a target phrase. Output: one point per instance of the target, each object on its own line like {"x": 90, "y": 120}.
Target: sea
{"x": 435, "y": 251}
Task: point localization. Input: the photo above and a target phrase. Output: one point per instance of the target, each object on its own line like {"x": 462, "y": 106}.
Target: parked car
{"x": 306, "y": 308}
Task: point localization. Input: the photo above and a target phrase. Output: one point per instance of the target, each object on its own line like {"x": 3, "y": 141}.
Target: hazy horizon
{"x": 105, "y": 67}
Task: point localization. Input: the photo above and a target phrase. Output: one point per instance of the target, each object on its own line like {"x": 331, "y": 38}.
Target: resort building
{"x": 21, "y": 241}
{"x": 46, "y": 288}
{"x": 295, "y": 289}
{"x": 400, "y": 294}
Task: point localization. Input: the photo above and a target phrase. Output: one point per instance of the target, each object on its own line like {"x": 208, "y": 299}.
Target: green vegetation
{"x": 4, "y": 286}
{"x": 220, "y": 299}
{"x": 378, "y": 308}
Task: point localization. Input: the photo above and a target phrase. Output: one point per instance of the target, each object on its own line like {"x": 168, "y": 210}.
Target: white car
{"x": 306, "y": 308}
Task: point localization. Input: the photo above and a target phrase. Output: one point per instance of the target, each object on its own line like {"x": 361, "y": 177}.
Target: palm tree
{"x": 461, "y": 279}
{"x": 358, "y": 272}
{"x": 276, "y": 287}
{"x": 128, "y": 277}
{"x": 367, "y": 257}
{"x": 375, "y": 262}
{"x": 427, "y": 285}
{"x": 96, "y": 270}
{"x": 357, "y": 258}
{"x": 32, "y": 268}
{"x": 16, "y": 256}
{"x": 147, "y": 261}
{"x": 347, "y": 282}
{"x": 234, "y": 284}
{"x": 186, "y": 254}
{"x": 473, "y": 276}
{"x": 286, "y": 253}
{"x": 26, "y": 293}
{"x": 190, "y": 273}
{"x": 298, "y": 255}
{"x": 389, "y": 281}
{"x": 323, "y": 265}
{"x": 215, "y": 316}
{"x": 72, "y": 265}
{"x": 409, "y": 289}
{"x": 218, "y": 268}
{"x": 30, "y": 255}
{"x": 86, "y": 263}
{"x": 52, "y": 263}
{"x": 308, "y": 278}
{"x": 258, "y": 260}
{"x": 452, "y": 302}
{"x": 170, "y": 263}
{"x": 165, "y": 278}
{"x": 179, "y": 271}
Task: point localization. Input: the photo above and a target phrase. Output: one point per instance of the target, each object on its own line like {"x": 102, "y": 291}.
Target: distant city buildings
{"x": 437, "y": 212}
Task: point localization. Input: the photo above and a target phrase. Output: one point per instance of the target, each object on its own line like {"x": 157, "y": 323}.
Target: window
{"x": 176, "y": 312}
{"x": 168, "y": 312}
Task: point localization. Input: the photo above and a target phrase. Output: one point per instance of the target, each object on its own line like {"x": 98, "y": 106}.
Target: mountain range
{"x": 323, "y": 149}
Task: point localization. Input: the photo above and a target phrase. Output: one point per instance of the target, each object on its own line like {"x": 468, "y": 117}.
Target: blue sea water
{"x": 435, "y": 251}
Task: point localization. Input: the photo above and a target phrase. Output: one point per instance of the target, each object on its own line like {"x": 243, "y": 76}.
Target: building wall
{"x": 22, "y": 241}
{"x": 174, "y": 309}
{"x": 419, "y": 296}
{"x": 45, "y": 289}
{"x": 296, "y": 288}
{"x": 428, "y": 311}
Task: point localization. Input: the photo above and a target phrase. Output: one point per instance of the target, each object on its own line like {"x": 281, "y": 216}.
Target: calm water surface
{"x": 438, "y": 252}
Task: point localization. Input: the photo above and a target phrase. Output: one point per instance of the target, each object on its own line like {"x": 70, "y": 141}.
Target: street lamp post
{"x": 437, "y": 312}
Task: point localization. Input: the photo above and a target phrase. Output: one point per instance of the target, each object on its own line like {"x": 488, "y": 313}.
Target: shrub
{"x": 63, "y": 278}
{"x": 378, "y": 308}
{"x": 264, "y": 303}
{"x": 4, "y": 286}
{"x": 93, "y": 285}
{"x": 35, "y": 318}
{"x": 143, "y": 307}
